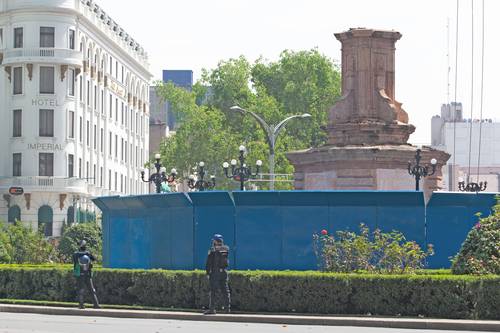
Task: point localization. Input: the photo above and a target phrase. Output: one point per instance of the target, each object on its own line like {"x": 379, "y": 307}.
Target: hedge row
{"x": 443, "y": 296}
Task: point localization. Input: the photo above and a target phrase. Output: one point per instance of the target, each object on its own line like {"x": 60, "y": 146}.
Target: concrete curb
{"x": 409, "y": 323}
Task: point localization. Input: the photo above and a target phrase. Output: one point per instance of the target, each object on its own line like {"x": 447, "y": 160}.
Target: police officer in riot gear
{"x": 216, "y": 268}
{"x": 82, "y": 270}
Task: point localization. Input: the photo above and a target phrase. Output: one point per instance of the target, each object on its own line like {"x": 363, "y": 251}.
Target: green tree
{"x": 90, "y": 232}
{"x": 299, "y": 82}
{"x": 20, "y": 244}
{"x": 480, "y": 252}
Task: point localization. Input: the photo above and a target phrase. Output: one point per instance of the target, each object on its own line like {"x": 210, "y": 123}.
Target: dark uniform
{"x": 216, "y": 268}
{"x": 82, "y": 269}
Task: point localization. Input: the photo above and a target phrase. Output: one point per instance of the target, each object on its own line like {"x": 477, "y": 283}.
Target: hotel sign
{"x": 45, "y": 146}
{"x": 45, "y": 102}
{"x": 117, "y": 89}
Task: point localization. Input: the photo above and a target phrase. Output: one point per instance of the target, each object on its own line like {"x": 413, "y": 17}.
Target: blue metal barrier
{"x": 450, "y": 216}
{"x": 274, "y": 229}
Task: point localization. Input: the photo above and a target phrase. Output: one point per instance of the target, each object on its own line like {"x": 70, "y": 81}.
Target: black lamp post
{"x": 419, "y": 171}
{"x": 200, "y": 183}
{"x": 471, "y": 186}
{"x": 241, "y": 173}
{"x": 160, "y": 176}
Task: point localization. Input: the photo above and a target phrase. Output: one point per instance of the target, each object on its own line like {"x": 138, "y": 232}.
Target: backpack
{"x": 82, "y": 266}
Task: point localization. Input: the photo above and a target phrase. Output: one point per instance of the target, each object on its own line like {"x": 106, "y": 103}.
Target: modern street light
{"x": 272, "y": 132}
{"x": 199, "y": 183}
{"x": 419, "y": 171}
{"x": 160, "y": 176}
{"x": 241, "y": 173}
{"x": 471, "y": 186}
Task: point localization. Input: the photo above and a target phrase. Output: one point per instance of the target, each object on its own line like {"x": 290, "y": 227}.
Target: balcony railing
{"x": 50, "y": 55}
{"x": 39, "y": 183}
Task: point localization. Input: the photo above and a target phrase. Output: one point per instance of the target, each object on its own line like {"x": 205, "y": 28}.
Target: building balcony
{"x": 45, "y": 184}
{"x": 41, "y": 55}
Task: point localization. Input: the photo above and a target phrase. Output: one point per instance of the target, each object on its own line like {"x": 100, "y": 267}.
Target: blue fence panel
{"x": 180, "y": 209}
{"x": 139, "y": 234}
{"x": 258, "y": 229}
{"x": 404, "y": 212}
{"x": 450, "y": 216}
{"x": 348, "y": 209}
{"x": 213, "y": 214}
{"x": 303, "y": 214}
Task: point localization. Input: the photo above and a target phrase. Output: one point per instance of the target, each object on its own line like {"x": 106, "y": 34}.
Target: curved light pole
{"x": 272, "y": 132}
{"x": 200, "y": 183}
{"x": 160, "y": 176}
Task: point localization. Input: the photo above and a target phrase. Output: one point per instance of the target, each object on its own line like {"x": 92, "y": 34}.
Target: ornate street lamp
{"x": 160, "y": 176}
{"x": 241, "y": 173}
{"x": 272, "y": 132}
{"x": 471, "y": 186}
{"x": 200, "y": 183}
{"x": 419, "y": 171}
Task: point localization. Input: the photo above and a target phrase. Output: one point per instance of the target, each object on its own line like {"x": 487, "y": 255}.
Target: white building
{"x": 74, "y": 102}
{"x": 455, "y": 137}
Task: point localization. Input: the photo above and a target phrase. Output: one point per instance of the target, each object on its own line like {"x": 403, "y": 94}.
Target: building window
{"x": 71, "y": 82}
{"x": 116, "y": 69}
{"x": 14, "y": 214}
{"x": 102, "y": 102}
{"x": 95, "y": 97}
{"x": 46, "y": 164}
{"x": 72, "y": 39}
{"x": 81, "y": 89}
{"x": 94, "y": 180}
{"x": 126, "y": 151}
{"x": 116, "y": 109}
{"x": 101, "y": 181}
{"x": 45, "y": 217}
{"x": 88, "y": 93}
{"x": 18, "y": 81}
{"x": 80, "y": 134}
{"x": 88, "y": 133}
{"x": 71, "y": 165}
{"x": 87, "y": 171}
{"x": 116, "y": 181}
{"x": 122, "y": 155}
{"x": 47, "y": 38}
{"x": 110, "y": 66}
{"x": 79, "y": 168}
{"x": 16, "y": 164}
{"x": 123, "y": 113}
{"x": 70, "y": 218}
{"x": 109, "y": 179}
{"x": 102, "y": 140}
{"x": 116, "y": 146}
{"x": 123, "y": 73}
{"x": 71, "y": 125}
{"x": 18, "y": 38}
{"x": 46, "y": 124}
{"x": 1, "y": 38}
{"x": 110, "y": 106}
{"x": 110, "y": 144}
{"x": 95, "y": 137}
{"x": 46, "y": 80}
{"x": 17, "y": 123}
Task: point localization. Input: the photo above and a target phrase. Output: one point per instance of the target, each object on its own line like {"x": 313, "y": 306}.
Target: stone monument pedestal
{"x": 368, "y": 129}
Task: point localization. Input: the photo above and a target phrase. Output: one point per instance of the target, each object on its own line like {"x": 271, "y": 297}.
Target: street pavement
{"x": 37, "y": 323}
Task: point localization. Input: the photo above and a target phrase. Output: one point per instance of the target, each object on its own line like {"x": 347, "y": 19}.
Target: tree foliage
{"x": 90, "y": 232}
{"x": 480, "y": 252}
{"x": 299, "y": 82}
{"x": 21, "y": 244}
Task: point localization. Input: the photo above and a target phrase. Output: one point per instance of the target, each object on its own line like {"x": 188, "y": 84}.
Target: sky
{"x": 197, "y": 34}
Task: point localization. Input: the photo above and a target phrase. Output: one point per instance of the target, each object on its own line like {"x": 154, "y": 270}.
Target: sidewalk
{"x": 410, "y": 323}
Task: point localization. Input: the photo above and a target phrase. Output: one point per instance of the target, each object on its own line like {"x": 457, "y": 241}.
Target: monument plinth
{"x": 368, "y": 129}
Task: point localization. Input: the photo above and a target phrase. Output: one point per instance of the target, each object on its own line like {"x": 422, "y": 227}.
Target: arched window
{"x": 14, "y": 214}
{"x": 70, "y": 215}
{"x": 45, "y": 216}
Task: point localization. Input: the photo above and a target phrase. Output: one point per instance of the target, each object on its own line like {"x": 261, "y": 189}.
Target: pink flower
{"x": 478, "y": 225}
{"x": 324, "y": 232}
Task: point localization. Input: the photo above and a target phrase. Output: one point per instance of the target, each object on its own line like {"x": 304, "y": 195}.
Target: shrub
{"x": 445, "y": 296}
{"x": 72, "y": 235}
{"x": 21, "y": 244}
{"x": 480, "y": 252}
{"x": 376, "y": 252}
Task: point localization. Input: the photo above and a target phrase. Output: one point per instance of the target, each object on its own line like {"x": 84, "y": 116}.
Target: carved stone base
{"x": 374, "y": 133}
{"x": 383, "y": 167}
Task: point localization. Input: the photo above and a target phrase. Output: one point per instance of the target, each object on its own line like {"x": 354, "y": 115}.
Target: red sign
{"x": 16, "y": 190}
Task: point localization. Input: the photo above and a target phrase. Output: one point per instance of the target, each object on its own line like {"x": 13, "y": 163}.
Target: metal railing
{"x": 45, "y": 183}
{"x": 42, "y": 52}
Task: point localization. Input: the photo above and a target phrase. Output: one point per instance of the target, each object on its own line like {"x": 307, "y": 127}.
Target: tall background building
{"x": 74, "y": 99}
{"x": 162, "y": 122}
{"x": 455, "y": 135}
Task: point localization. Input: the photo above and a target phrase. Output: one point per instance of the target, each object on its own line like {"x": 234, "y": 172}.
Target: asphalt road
{"x": 35, "y": 323}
